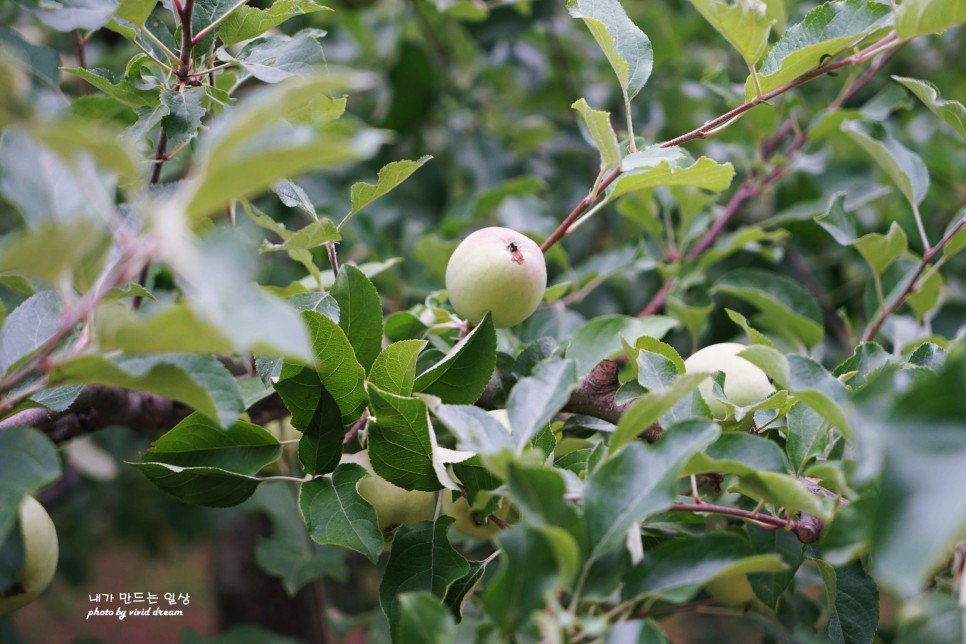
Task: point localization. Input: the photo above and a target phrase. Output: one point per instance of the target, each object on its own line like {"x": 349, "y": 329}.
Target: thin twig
{"x": 711, "y": 127}
{"x": 927, "y": 257}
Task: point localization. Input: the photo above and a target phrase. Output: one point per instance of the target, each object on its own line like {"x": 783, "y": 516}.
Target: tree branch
{"x": 709, "y": 128}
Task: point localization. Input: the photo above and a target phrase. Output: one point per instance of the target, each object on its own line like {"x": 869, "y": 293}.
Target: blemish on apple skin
{"x": 515, "y": 253}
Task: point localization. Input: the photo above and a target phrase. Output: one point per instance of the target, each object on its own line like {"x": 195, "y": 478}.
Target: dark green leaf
{"x": 786, "y": 305}
{"x": 638, "y": 480}
{"x": 287, "y": 552}
{"x": 423, "y": 618}
{"x": 28, "y": 461}
{"x": 421, "y": 559}
{"x": 335, "y": 513}
{"x": 401, "y": 441}
{"x": 197, "y": 441}
{"x": 321, "y": 444}
{"x": 461, "y": 376}
{"x": 360, "y": 313}
{"x": 676, "y": 570}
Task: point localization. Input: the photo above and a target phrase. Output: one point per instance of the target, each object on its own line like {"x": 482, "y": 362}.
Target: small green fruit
{"x": 40, "y": 556}
{"x": 731, "y": 590}
{"x": 496, "y": 270}
{"x": 465, "y": 516}
{"x": 744, "y": 382}
{"x": 394, "y": 505}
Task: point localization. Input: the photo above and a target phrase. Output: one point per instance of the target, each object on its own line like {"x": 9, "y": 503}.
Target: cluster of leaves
{"x": 142, "y": 204}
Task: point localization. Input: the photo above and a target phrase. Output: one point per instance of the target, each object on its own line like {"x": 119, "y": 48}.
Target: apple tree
{"x": 512, "y": 321}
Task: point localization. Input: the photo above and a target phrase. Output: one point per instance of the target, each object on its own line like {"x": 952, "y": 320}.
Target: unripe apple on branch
{"x": 744, "y": 382}
{"x": 40, "y": 550}
{"x": 496, "y": 270}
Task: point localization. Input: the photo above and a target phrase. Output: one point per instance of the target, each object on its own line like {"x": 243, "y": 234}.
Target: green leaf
{"x": 320, "y": 447}
{"x": 54, "y": 250}
{"x": 655, "y": 370}
{"x": 769, "y": 586}
{"x": 208, "y": 486}
{"x": 807, "y": 435}
{"x": 704, "y": 173}
{"x": 461, "y": 376}
{"x": 394, "y": 369}
{"x": 336, "y": 514}
{"x": 536, "y": 399}
{"x": 755, "y": 337}
{"x": 161, "y": 329}
{"x": 28, "y": 327}
{"x": 819, "y": 389}
{"x": 953, "y": 113}
{"x": 319, "y": 232}
{"x": 422, "y": 618}
{"x": 185, "y": 111}
{"x": 68, "y": 15}
{"x": 539, "y": 492}
{"x": 475, "y": 430}
{"x": 601, "y": 132}
{"x": 273, "y": 59}
{"x": 837, "y": 221}
{"x": 360, "y": 313}
{"x": 288, "y": 553}
{"x": 638, "y": 480}
{"x": 600, "y": 338}
{"x": 511, "y": 598}
{"x": 738, "y": 453}
{"x": 786, "y": 305}
{"x": 122, "y": 91}
{"x": 881, "y": 250}
{"x": 43, "y": 186}
{"x": 248, "y": 22}
{"x": 256, "y": 143}
{"x": 904, "y": 167}
{"x": 781, "y": 490}
{"x": 920, "y": 510}
{"x": 462, "y": 589}
{"x": 827, "y": 30}
{"x": 401, "y": 441}
{"x": 676, "y": 570}
{"x": 421, "y": 560}
{"x": 853, "y": 603}
{"x": 28, "y": 462}
{"x": 627, "y": 48}
{"x": 201, "y": 382}
{"x": 390, "y": 176}
{"x": 745, "y": 24}
{"x": 217, "y": 280}
{"x": 649, "y": 408}
{"x": 198, "y": 441}
{"x": 918, "y": 17}
{"x": 337, "y": 370}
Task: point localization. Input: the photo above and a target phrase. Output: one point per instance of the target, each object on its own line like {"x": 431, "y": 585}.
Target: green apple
{"x": 466, "y": 519}
{"x": 39, "y": 556}
{"x": 731, "y": 590}
{"x": 744, "y": 382}
{"x": 394, "y": 505}
{"x": 496, "y": 270}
